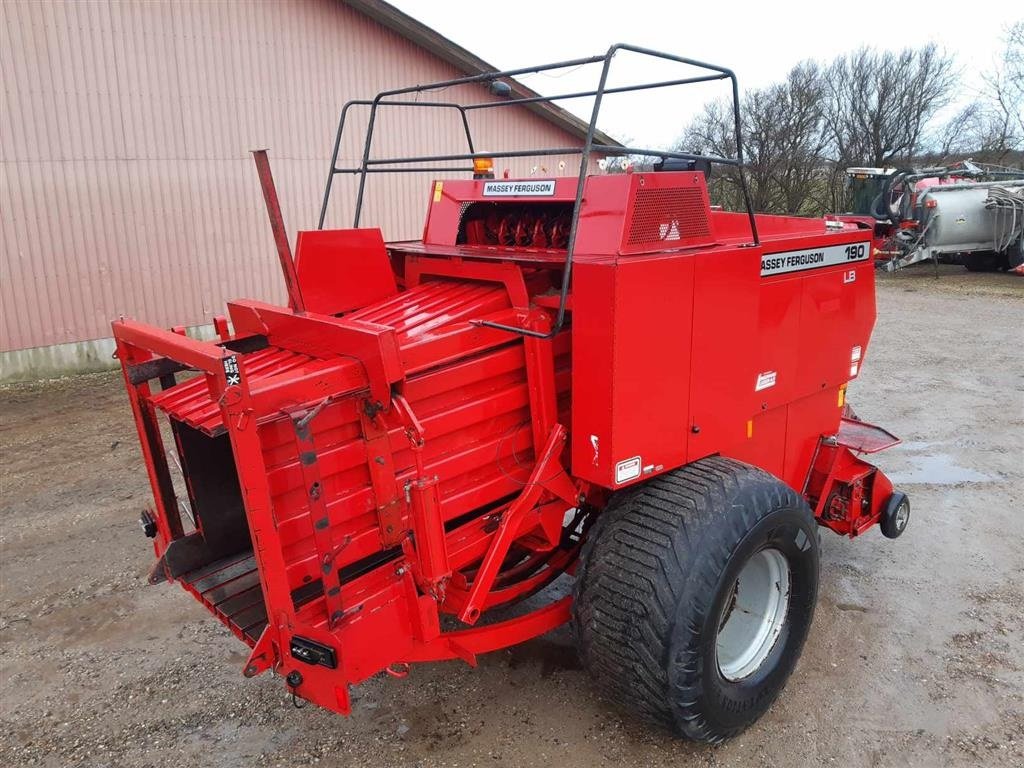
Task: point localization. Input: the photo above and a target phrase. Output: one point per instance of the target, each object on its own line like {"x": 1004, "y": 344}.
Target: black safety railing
{"x": 415, "y": 164}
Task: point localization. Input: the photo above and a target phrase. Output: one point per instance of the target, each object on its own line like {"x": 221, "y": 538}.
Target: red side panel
{"x": 765, "y": 446}
{"x": 593, "y": 341}
{"x": 630, "y": 399}
{"x": 723, "y": 376}
{"x": 343, "y": 269}
{"x": 602, "y": 215}
{"x": 779, "y": 330}
{"x": 809, "y": 419}
{"x": 836, "y": 317}
{"x": 813, "y": 332}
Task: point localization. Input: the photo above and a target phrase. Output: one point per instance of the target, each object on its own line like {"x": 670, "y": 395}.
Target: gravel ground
{"x": 915, "y": 656}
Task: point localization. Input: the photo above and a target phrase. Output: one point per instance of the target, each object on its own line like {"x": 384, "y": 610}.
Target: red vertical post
{"x": 284, "y": 251}
{"x": 237, "y": 411}
{"x": 151, "y": 442}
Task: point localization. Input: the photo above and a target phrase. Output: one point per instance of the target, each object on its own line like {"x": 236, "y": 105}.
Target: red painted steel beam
{"x": 324, "y": 336}
{"x": 546, "y": 467}
{"x": 195, "y": 354}
{"x": 284, "y": 251}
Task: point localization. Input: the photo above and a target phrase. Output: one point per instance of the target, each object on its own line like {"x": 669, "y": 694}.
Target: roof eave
{"x": 471, "y": 64}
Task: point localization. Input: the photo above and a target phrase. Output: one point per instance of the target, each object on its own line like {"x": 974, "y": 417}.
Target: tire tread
{"x": 640, "y": 559}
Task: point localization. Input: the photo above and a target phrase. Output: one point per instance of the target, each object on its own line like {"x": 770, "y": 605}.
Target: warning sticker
{"x": 627, "y": 469}
{"x": 813, "y": 258}
{"x": 541, "y": 188}
{"x": 231, "y": 372}
{"x": 765, "y": 380}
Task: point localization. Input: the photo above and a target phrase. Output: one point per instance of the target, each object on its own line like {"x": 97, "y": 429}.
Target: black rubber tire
{"x": 889, "y": 524}
{"x": 980, "y": 262}
{"x": 654, "y": 578}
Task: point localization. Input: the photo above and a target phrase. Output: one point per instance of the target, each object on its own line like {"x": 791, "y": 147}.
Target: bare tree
{"x": 867, "y": 107}
{"x": 1000, "y": 123}
{"x": 991, "y": 128}
{"x": 798, "y": 125}
{"x": 959, "y": 134}
{"x": 1006, "y": 84}
{"x": 711, "y": 133}
{"x": 782, "y": 142}
{"x": 879, "y": 103}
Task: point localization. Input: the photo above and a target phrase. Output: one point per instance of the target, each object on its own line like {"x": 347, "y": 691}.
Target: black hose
{"x": 881, "y": 209}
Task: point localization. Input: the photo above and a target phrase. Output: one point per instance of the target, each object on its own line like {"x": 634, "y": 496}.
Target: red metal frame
{"x": 401, "y": 466}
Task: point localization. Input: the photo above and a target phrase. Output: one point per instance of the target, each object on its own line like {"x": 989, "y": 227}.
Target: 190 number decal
{"x": 855, "y": 252}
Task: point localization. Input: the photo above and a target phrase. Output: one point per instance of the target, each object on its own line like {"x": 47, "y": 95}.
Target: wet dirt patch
{"x": 937, "y": 469}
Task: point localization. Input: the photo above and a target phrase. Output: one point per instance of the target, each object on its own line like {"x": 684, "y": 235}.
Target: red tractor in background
{"x": 594, "y": 380}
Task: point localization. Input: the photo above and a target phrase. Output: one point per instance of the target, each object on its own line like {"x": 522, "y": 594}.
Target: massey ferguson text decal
{"x": 543, "y": 188}
{"x": 812, "y": 258}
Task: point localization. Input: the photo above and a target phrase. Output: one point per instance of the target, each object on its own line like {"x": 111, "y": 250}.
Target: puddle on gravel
{"x": 937, "y": 469}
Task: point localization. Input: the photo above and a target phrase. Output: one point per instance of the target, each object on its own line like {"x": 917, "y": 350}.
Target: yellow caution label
{"x": 842, "y": 396}
{"x": 438, "y": 189}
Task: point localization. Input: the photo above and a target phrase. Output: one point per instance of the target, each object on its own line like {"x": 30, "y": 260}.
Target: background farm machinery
{"x": 966, "y": 212}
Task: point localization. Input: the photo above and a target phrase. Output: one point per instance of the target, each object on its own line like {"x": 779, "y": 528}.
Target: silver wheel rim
{"x": 754, "y": 615}
{"x": 902, "y": 515}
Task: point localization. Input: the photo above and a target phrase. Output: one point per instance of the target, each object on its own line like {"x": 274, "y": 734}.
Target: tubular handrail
{"x": 401, "y": 164}
{"x": 367, "y": 102}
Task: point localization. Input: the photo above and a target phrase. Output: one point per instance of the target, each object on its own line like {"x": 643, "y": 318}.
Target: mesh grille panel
{"x": 666, "y": 215}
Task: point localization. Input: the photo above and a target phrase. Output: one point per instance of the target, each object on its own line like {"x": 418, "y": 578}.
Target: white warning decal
{"x": 812, "y": 258}
{"x": 627, "y": 469}
{"x": 231, "y": 373}
{"x": 765, "y": 380}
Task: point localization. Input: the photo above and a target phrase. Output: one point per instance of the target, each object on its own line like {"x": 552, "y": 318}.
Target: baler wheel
{"x": 695, "y": 594}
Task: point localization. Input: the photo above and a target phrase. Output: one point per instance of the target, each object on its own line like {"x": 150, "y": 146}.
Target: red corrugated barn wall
{"x": 127, "y": 186}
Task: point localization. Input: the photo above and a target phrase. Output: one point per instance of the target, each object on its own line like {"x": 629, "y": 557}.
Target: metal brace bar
{"x": 546, "y": 472}
{"x": 381, "y": 463}
{"x": 326, "y": 550}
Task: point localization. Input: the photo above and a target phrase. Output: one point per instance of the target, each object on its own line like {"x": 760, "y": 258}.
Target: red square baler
{"x": 598, "y": 379}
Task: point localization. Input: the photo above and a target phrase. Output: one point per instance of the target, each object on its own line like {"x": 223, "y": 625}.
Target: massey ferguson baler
{"x": 597, "y": 377}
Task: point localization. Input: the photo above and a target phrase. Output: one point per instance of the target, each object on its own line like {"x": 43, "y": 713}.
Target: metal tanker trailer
{"x": 962, "y": 213}
{"x": 980, "y": 221}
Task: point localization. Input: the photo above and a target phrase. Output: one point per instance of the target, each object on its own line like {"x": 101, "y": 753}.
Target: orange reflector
{"x": 750, "y": 428}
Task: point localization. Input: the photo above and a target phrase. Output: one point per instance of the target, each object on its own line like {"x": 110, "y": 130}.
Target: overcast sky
{"x": 760, "y": 41}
